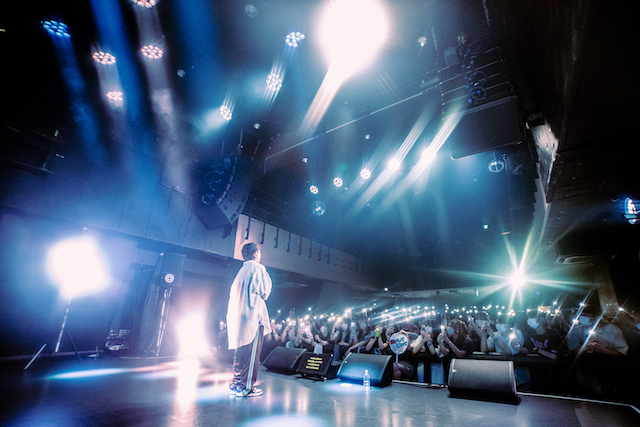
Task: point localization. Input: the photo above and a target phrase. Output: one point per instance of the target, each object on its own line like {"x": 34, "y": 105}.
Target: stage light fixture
{"x": 56, "y": 28}
{"x": 294, "y": 38}
{"x": 518, "y": 279}
{"x": 192, "y": 335}
{"x": 496, "y": 165}
{"x": 274, "y": 82}
{"x": 365, "y": 174}
{"x": 337, "y": 181}
{"x": 318, "y": 208}
{"x": 225, "y": 112}
{"x": 145, "y": 3}
{"x": 77, "y": 267}
{"x": 351, "y": 33}
{"x": 394, "y": 164}
{"x": 314, "y": 189}
{"x": 630, "y": 211}
{"x": 115, "y": 95}
{"x": 152, "y": 52}
{"x": 103, "y": 58}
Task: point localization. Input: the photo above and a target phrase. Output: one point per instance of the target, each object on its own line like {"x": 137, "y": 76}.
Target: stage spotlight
{"x": 115, "y": 95}
{"x": 294, "y": 38}
{"x": 394, "y": 164}
{"x": 145, "y": 3}
{"x": 77, "y": 267}
{"x": 274, "y": 82}
{"x": 152, "y": 52}
{"x": 314, "y": 189}
{"x": 429, "y": 155}
{"x": 337, "y": 181}
{"x": 319, "y": 208}
{"x": 496, "y": 165}
{"x": 251, "y": 10}
{"x": 630, "y": 211}
{"x": 103, "y": 58}
{"x": 192, "y": 336}
{"x": 351, "y": 33}
{"x": 56, "y": 28}
{"x": 518, "y": 279}
{"x": 225, "y": 112}
{"x": 365, "y": 174}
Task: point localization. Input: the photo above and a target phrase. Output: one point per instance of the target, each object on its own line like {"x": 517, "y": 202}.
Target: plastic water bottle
{"x": 366, "y": 380}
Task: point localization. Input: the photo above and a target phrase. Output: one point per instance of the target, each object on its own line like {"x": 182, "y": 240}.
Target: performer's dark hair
{"x": 249, "y": 250}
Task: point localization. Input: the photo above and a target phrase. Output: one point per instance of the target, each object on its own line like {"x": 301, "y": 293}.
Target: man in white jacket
{"x": 248, "y": 320}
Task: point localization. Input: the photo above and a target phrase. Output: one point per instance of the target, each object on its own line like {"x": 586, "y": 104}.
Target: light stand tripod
{"x": 164, "y": 309}
{"x": 62, "y": 331}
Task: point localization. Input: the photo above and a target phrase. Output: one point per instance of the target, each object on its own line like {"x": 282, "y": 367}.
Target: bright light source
{"x": 337, "y": 181}
{"x": 313, "y": 189}
{"x": 152, "y": 52}
{"x": 56, "y": 28}
{"x": 394, "y": 164}
{"x": 115, "y": 95}
{"x": 274, "y": 82}
{"x": 294, "y": 38}
{"x": 429, "y": 155}
{"x": 351, "y": 32}
{"x": 192, "y": 336}
{"x": 103, "y": 58}
{"x": 145, "y": 3}
{"x": 518, "y": 279}
{"x": 77, "y": 267}
{"x": 630, "y": 211}
{"x": 365, "y": 174}
{"x": 225, "y": 112}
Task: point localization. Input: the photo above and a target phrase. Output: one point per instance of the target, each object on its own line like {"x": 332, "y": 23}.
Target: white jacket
{"x": 247, "y": 308}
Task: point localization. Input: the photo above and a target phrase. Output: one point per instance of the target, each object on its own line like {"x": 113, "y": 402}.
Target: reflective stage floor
{"x": 162, "y": 392}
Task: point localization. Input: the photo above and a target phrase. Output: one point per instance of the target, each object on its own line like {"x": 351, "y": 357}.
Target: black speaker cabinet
{"x": 492, "y": 380}
{"x": 486, "y": 127}
{"x": 223, "y": 206}
{"x": 284, "y": 360}
{"x": 380, "y": 368}
{"x": 317, "y": 366}
{"x": 170, "y": 269}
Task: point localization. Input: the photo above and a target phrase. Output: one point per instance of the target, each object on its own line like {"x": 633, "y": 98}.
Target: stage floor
{"x": 163, "y": 392}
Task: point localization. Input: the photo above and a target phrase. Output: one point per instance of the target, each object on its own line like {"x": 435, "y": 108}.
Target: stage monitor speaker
{"x": 220, "y": 208}
{"x": 171, "y": 267}
{"x": 492, "y": 380}
{"x": 283, "y": 359}
{"x": 317, "y": 366}
{"x": 380, "y": 368}
{"x": 486, "y": 127}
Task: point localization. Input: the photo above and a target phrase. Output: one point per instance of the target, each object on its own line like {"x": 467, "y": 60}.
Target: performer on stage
{"x": 248, "y": 320}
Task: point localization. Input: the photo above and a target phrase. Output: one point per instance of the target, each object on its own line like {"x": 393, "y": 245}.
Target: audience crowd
{"x": 581, "y": 347}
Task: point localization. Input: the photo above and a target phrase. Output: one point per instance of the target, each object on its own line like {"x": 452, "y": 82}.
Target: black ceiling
{"x": 567, "y": 63}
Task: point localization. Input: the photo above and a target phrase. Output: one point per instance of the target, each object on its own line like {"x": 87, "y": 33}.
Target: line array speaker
{"x": 225, "y": 205}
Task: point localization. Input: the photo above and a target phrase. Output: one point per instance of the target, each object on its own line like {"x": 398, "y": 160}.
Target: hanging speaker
{"x": 380, "y": 368}
{"x": 224, "y": 193}
{"x": 492, "y": 380}
{"x": 283, "y": 359}
{"x": 171, "y": 267}
{"x": 486, "y": 127}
